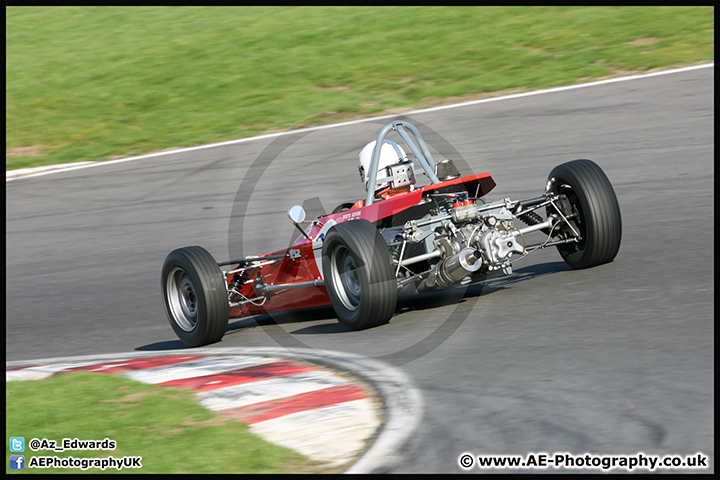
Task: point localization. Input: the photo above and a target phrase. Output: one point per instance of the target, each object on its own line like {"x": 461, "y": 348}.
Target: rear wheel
{"x": 195, "y": 296}
{"x": 588, "y": 200}
{"x": 358, "y": 273}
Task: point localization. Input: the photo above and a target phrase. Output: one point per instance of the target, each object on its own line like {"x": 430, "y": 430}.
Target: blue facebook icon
{"x": 17, "y": 462}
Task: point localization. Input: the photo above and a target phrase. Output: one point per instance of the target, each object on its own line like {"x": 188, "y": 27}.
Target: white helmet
{"x": 390, "y": 154}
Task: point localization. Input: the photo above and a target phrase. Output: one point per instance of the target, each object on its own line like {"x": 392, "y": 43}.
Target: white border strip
{"x": 39, "y": 171}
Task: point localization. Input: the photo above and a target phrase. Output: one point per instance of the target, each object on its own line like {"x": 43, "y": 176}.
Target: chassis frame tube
{"x": 420, "y": 258}
{"x": 242, "y": 261}
{"x": 262, "y": 289}
{"x": 546, "y": 224}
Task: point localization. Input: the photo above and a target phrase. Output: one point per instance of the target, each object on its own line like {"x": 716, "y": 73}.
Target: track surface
{"x": 612, "y": 360}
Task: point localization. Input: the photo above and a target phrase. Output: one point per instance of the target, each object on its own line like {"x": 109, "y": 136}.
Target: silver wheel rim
{"x": 345, "y": 278}
{"x": 182, "y": 299}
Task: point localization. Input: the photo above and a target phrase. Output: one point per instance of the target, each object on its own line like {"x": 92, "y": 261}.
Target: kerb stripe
{"x": 134, "y": 364}
{"x": 259, "y": 412}
{"x": 244, "y": 375}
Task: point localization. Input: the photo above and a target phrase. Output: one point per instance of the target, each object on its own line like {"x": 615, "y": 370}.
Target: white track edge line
{"x": 39, "y": 171}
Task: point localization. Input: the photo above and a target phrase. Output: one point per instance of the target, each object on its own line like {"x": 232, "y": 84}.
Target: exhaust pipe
{"x": 452, "y": 270}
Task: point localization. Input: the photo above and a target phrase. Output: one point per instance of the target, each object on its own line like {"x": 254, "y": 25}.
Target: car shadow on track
{"x": 158, "y": 346}
{"x": 455, "y": 295}
{"x": 294, "y": 317}
{"x": 405, "y": 305}
{"x": 523, "y": 274}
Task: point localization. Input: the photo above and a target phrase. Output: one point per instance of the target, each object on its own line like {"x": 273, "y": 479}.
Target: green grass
{"x": 165, "y": 426}
{"x": 94, "y": 83}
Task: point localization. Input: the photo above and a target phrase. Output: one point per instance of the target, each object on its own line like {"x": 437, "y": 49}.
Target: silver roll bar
{"x": 422, "y": 154}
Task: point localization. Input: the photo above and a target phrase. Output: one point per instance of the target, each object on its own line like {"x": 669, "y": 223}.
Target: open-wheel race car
{"x": 402, "y": 239}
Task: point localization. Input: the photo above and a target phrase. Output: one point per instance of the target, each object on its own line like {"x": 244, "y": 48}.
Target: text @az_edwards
{"x": 37, "y": 444}
{"x": 20, "y": 462}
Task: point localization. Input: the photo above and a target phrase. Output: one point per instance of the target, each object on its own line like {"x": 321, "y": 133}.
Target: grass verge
{"x": 165, "y": 426}
{"x": 95, "y": 83}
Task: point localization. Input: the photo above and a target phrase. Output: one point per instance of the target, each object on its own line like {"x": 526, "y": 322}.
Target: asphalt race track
{"x": 613, "y": 360}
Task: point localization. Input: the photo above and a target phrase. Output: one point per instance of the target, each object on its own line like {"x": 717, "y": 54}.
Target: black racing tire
{"x": 343, "y": 207}
{"x": 195, "y": 296}
{"x": 590, "y": 197}
{"x": 358, "y": 273}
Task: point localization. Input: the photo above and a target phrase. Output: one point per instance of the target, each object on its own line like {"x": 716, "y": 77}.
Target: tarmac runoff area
{"x": 338, "y": 409}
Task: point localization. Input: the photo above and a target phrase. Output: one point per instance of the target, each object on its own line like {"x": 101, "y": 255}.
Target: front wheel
{"x": 588, "y": 201}
{"x": 358, "y": 273}
{"x": 195, "y": 296}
